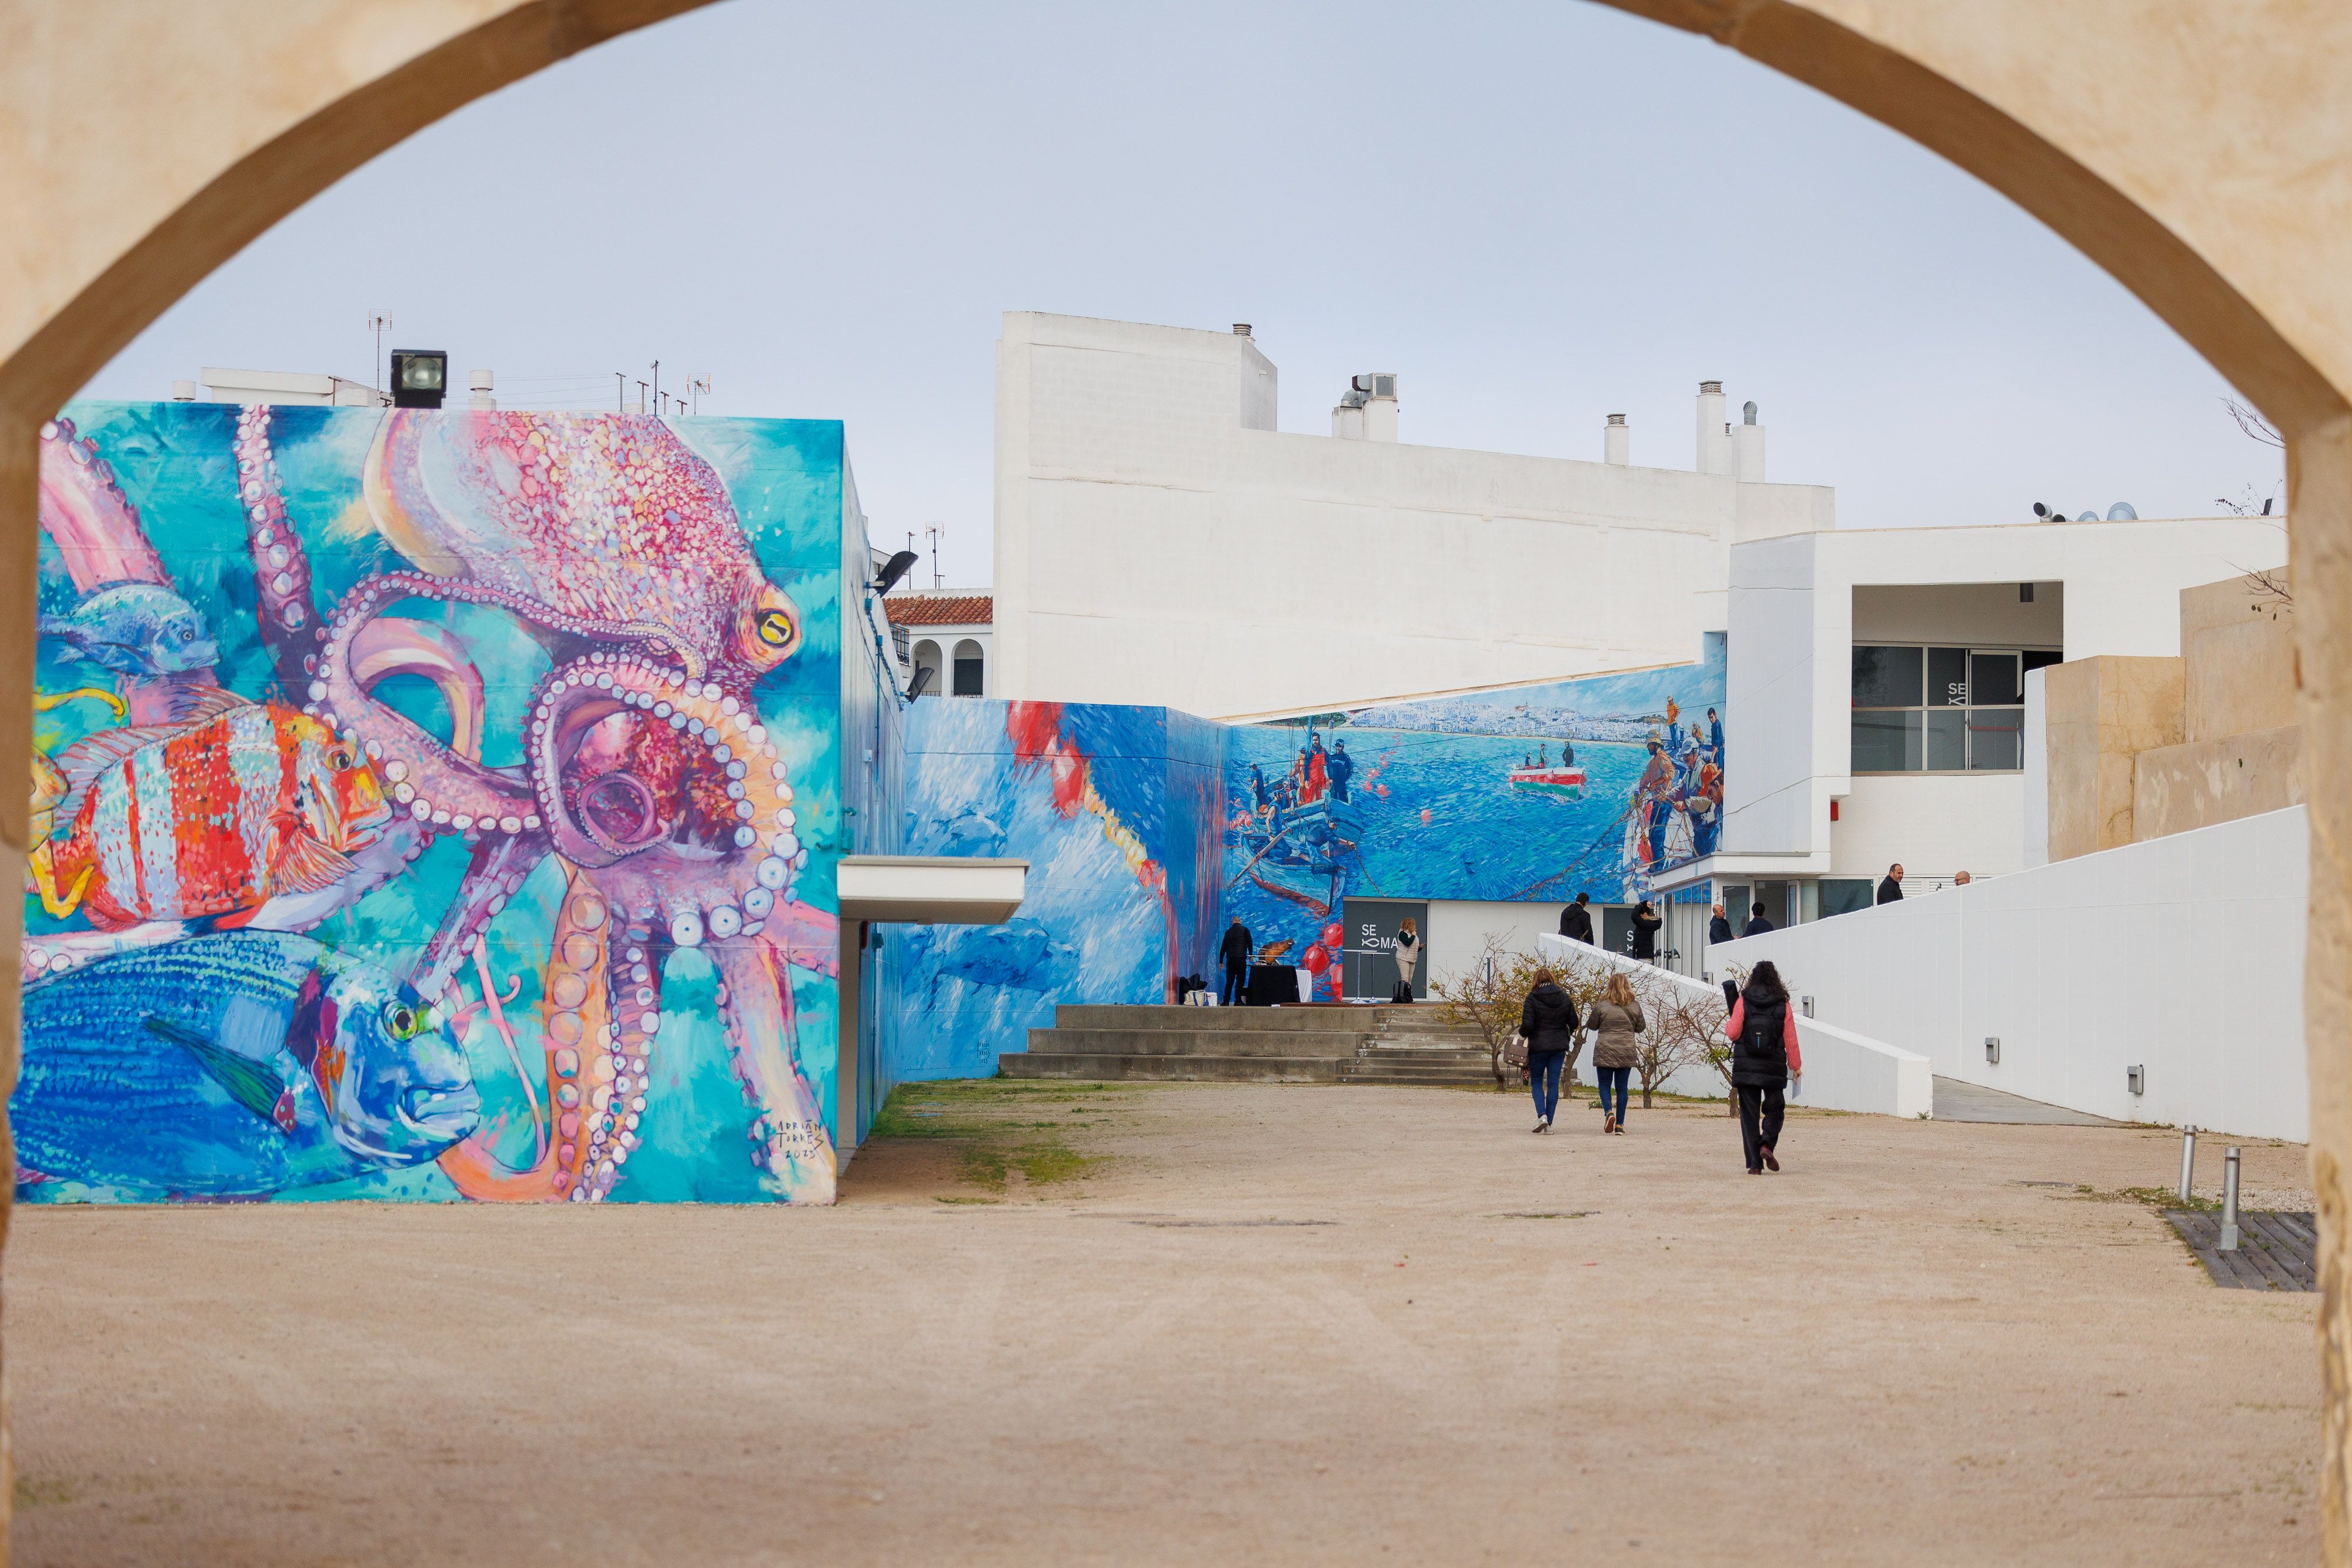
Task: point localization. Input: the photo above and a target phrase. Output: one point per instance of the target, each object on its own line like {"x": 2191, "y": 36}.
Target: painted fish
{"x": 232, "y": 1064}
{"x": 1020, "y": 954}
{"x": 134, "y": 628}
{"x": 212, "y": 821}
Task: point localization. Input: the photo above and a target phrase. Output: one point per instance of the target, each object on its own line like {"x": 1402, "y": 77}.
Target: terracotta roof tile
{"x": 947, "y": 610}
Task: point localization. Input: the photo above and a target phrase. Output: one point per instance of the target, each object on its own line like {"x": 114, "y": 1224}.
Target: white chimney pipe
{"x": 184, "y": 391}
{"x": 1714, "y": 441}
{"x": 1748, "y": 441}
{"x": 1616, "y": 442}
{"x": 482, "y": 386}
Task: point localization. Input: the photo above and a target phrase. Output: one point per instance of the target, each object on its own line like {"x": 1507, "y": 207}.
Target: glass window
{"x": 1844, "y": 895}
{"x": 2036, "y": 659}
{"x": 1886, "y": 741}
{"x": 1948, "y": 678}
{"x": 1993, "y": 680}
{"x": 967, "y": 677}
{"x": 1948, "y": 739}
{"x": 1886, "y": 677}
{"x": 1996, "y": 739}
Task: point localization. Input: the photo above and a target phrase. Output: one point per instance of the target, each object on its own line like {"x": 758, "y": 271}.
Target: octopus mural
{"x": 552, "y": 660}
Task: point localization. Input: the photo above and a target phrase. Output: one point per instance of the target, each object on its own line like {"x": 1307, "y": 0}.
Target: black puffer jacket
{"x": 1548, "y": 1017}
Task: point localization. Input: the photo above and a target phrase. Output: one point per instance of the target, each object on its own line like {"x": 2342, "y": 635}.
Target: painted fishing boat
{"x": 1561, "y": 778}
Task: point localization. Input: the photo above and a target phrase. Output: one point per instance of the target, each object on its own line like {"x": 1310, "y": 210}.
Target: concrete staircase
{"x": 1396, "y": 1044}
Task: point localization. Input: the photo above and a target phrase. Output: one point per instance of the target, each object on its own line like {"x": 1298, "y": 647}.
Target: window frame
{"x": 1967, "y": 710}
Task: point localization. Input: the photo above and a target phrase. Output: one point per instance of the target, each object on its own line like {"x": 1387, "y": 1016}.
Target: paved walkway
{"x": 1275, "y": 1325}
{"x": 1958, "y": 1102}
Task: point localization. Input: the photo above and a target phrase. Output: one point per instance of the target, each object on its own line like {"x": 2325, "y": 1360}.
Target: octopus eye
{"x": 404, "y": 1022}
{"x": 775, "y": 629}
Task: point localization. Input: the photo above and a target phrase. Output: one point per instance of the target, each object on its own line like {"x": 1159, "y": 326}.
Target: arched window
{"x": 971, "y": 670}
{"x": 926, "y": 657}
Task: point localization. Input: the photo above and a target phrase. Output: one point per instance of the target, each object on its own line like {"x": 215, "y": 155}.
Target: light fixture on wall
{"x": 419, "y": 377}
{"x": 1992, "y": 1048}
{"x": 898, "y": 566}
{"x": 2136, "y": 1077}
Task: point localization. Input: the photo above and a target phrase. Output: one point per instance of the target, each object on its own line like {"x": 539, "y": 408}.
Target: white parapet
{"x": 1843, "y": 1071}
{"x": 2181, "y": 957}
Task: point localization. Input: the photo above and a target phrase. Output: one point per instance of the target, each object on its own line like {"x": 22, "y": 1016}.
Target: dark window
{"x": 1993, "y": 680}
{"x": 1948, "y": 677}
{"x": 1844, "y": 895}
{"x": 1886, "y": 740}
{"x": 2039, "y": 659}
{"x": 967, "y": 677}
{"x": 1996, "y": 739}
{"x": 1948, "y": 739}
{"x": 1886, "y": 677}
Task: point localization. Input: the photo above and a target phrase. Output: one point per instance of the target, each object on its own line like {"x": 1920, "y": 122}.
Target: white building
{"x": 952, "y": 636}
{"x": 1158, "y": 542}
{"x": 1876, "y": 689}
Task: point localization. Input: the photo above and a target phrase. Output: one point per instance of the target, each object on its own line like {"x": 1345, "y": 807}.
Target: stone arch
{"x": 926, "y": 657}
{"x": 2202, "y": 154}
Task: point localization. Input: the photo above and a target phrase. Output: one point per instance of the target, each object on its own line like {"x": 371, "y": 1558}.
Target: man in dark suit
{"x": 1891, "y": 890}
{"x": 1757, "y": 924}
{"x": 1236, "y": 951}
{"x": 1719, "y": 928}
{"x": 1576, "y": 920}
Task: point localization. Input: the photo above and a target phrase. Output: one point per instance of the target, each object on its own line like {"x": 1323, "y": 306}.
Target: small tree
{"x": 1489, "y": 995}
{"x": 1718, "y": 1044}
{"x": 1684, "y": 1026}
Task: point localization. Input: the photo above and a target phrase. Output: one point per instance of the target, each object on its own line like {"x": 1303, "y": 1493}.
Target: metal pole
{"x": 2187, "y": 1159}
{"x": 2229, "y": 1200}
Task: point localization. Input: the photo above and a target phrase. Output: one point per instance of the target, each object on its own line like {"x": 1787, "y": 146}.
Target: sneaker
{"x": 1539, "y": 1126}
{"x": 1770, "y": 1160}
{"x": 1609, "y": 1125}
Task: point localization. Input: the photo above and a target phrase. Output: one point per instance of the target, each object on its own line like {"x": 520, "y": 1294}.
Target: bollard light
{"x": 2229, "y": 1200}
{"x": 2188, "y": 1160}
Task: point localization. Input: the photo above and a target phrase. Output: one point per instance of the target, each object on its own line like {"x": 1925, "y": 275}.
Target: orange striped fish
{"x": 174, "y": 823}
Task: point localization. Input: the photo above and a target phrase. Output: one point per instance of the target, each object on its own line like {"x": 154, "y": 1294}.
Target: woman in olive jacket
{"x": 1548, "y": 1020}
{"x": 1615, "y": 1020}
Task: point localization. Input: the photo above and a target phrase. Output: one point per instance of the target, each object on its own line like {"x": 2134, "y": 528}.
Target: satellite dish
{"x": 2040, "y": 511}
{"x": 2088, "y": 518}
{"x": 2121, "y": 512}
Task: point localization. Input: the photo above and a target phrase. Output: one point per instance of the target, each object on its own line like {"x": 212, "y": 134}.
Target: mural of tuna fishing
{"x": 513, "y": 726}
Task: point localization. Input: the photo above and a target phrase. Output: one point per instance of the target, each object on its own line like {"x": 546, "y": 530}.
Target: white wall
{"x": 1843, "y": 1071}
{"x": 1794, "y": 604}
{"x": 2183, "y": 954}
{"x": 1934, "y": 824}
{"x": 1154, "y": 547}
{"x": 1458, "y": 929}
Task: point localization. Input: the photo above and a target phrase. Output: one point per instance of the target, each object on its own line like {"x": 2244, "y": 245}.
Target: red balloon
{"x": 1333, "y": 936}
{"x": 1317, "y": 960}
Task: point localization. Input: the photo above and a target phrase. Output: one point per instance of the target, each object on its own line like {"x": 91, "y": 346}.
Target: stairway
{"x": 1380, "y": 1044}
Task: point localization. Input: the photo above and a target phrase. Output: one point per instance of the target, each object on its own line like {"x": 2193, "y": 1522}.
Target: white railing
{"x": 2181, "y": 956}
{"x": 1843, "y": 1071}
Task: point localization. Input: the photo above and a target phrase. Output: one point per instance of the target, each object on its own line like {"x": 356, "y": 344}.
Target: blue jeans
{"x": 1612, "y": 1083}
{"x": 1236, "y": 987}
{"x": 1543, "y": 1077}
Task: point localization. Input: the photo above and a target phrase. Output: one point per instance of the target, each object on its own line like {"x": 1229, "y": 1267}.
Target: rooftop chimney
{"x": 1368, "y": 411}
{"x": 184, "y": 391}
{"x": 481, "y": 383}
{"x": 1616, "y": 442}
{"x": 1714, "y": 436}
{"x": 1240, "y": 328}
{"x": 1748, "y": 447}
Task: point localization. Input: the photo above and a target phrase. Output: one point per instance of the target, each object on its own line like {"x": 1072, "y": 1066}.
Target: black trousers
{"x": 1754, "y": 1138}
{"x": 1237, "y": 991}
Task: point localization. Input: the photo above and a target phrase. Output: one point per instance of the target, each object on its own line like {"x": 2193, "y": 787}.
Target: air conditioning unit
{"x": 1375, "y": 384}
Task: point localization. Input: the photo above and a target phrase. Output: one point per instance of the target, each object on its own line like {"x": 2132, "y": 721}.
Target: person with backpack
{"x": 1548, "y": 1021}
{"x": 1614, "y": 1020}
{"x": 1763, "y": 1030}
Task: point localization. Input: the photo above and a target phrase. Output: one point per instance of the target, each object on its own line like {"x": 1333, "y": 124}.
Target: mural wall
{"x": 432, "y": 805}
{"x": 1113, "y": 807}
{"x": 1533, "y": 793}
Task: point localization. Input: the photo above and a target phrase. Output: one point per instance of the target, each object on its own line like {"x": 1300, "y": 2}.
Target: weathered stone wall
{"x": 2102, "y": 713}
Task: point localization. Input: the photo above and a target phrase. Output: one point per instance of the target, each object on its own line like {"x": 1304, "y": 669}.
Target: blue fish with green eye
{"x": 134, "y": 629}
{"x": 234, "y": 1065}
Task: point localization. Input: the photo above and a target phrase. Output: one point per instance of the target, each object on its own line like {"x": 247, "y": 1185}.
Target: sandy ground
{"x": 1282, "y": 1324}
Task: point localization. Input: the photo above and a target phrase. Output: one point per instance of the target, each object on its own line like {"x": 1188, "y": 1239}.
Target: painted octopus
{"x": 647, "y": 772}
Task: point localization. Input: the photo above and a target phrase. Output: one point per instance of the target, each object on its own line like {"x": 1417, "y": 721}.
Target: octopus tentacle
{"x": 281, "y": 567}
{"x": 84, "y": 509}
{"x": 789, "y": 1138}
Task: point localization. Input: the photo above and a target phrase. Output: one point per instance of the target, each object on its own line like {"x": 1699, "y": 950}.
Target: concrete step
{"x": 1169, "y": 1068}
{"x": 1403, "y": 1056}
{"x": 1183, "y": 1042}
{"x": 1367, "y": 1073}
{"x": 1312, "y": 1020}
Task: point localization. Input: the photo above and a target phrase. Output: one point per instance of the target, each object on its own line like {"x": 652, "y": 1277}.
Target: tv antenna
{"x": 932, "y": 531}
{"x": 379, "y": 322}
{"x": 700, "y": 387}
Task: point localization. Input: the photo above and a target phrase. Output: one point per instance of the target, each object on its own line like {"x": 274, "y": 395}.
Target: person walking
{"x": 1615, "y": 1020}
{"x": 1408, "y": 954}
{"x": 1576, "y": 921}
{"x": 1757, "y": 924}
{"x": 1763, "y": 1030}
{"x": 1646, "y": 922}
{"x": 1891, "y": 890}
{"x": 1718, "y": 927}
{"x": 1548, "y": 1020}
{"x": 1236, "y": 951}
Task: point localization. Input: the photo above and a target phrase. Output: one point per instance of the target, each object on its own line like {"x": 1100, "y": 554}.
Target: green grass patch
{"x": 2155, "y": 1198}
{"x": 993, "y": 1125}
{"x": 31, "y": 1494}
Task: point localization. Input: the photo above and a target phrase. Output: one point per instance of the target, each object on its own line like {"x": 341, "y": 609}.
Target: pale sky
{"x": 1536, "y": 214}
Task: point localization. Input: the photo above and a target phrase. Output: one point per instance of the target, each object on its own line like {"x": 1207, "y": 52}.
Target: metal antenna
{"x": 700, "y": 387}
{"x": 933, "y": 530}
{"x": 379, "y": 322}
{"x": 641, "y": 397}
{"x": 656, "y": 384}
{"x": 619, "y": 392}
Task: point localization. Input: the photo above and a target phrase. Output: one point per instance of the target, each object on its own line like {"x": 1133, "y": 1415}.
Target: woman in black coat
{"x": 1548, "y": 1020}
{"x": 1763, "y": 1030}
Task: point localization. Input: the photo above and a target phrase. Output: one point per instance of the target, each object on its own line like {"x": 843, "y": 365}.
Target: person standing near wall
{"x": 1408, "y": 954}
{"x": 1890, "y": 891}
{"x": 1763, "y": 1030}
{"x": 1548, "y": 1020}
{"x": 1576, "y": 921}
{"x": 1718, "y": 927}
{"x": 1236, "y": 951}
{"x": 1646, "y": 922}
{"x": 1757, "y": 924}
{"x": 1615, "y": 1020}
